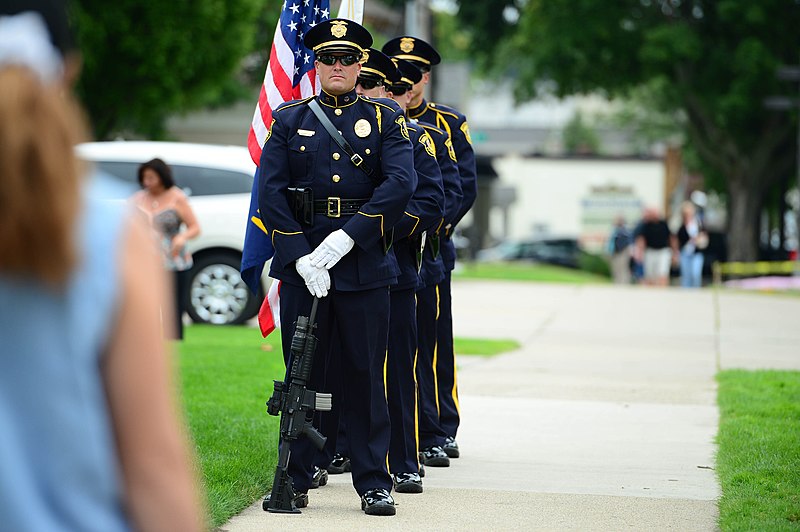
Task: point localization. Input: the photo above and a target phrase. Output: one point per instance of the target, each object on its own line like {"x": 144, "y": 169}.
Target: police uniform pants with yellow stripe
{"x": 351, "y": 370}
{"x": 447, "y": 393}
{"x": 430, "y": 432}
{"x": 401, "y": 385}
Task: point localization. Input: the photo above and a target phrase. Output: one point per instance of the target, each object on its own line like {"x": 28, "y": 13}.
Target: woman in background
{"x": 692, "y": 239}
{"x": 168, "y": 210}
{"x": 90, "y": 435}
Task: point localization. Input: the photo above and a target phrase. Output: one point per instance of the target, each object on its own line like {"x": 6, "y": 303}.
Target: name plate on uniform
{"x": 305, "y": 132}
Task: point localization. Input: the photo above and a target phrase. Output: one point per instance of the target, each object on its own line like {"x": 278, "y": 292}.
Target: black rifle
{"x": 295, "y": 404}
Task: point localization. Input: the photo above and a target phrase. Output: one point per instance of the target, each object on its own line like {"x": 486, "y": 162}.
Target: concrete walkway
{"x": 604, "y": 419}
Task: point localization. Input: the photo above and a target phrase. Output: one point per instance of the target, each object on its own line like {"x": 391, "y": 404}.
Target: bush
{"x": 592, "y": 263}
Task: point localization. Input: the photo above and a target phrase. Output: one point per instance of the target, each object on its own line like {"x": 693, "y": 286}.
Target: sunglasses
{"x": 399, "y": 90}
{"x": 369, "y": 83}
{"x": 345, "y": 60}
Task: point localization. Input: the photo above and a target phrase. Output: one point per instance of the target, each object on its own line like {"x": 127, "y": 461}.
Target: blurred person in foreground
{"x": 89, "y": 430}
{"x": 174, "y": 224}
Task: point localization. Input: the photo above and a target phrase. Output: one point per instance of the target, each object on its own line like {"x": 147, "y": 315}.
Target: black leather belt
{"x": 334, "y": 207}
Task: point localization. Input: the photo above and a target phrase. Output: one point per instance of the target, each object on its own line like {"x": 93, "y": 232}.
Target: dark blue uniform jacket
{"x": 299, "y": 152}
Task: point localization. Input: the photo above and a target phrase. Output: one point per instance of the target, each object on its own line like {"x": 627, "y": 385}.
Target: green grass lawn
{"x": 226, "y": 376}
{"x": 526, "y": 271}
{"x": 758, "y": 460}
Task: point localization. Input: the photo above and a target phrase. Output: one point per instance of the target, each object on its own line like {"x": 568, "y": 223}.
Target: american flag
{"x": 290, "y": 72}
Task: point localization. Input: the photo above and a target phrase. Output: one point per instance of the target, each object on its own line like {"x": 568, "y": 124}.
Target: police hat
{"x": 407, "y": 72}
{"x": 412, "y": 49}
{"x": 377, "y": 66}
{"x": 338, "y": 35}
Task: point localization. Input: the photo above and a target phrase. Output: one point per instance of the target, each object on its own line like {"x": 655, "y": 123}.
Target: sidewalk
{"x": 604, "y": 419}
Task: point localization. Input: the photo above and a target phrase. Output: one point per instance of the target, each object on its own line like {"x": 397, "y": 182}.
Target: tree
{"x": 715, "y": 62}
{"x": 147, "y": 59}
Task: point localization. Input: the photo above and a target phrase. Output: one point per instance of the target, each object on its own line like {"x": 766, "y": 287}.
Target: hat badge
{"x": 338, "y": 29}
{"x": 406, "y": 44}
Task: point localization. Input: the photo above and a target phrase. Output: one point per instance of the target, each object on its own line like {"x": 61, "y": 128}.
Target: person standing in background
{"x": 692, "y": 240}
{"x": 90, "y": 433}
{"x": 168, "y": 211}
{"x": 619, "y": 248}
{"x": 654, "y": 246}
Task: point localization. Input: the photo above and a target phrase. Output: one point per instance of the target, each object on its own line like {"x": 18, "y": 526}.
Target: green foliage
{"x": 714, "y": 62}
{"x": 580, "y": 138}
{"x": 144, "y": 60}
{"x": 595, "y": 264}
{"x": 758, "y": 461}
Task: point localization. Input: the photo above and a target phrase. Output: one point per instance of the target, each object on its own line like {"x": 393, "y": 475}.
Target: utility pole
{"x": 791, "y": 104}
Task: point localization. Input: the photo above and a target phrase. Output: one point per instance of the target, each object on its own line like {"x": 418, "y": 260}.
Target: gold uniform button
{"x": 338, "y": 112}
{"x": 367, "y": 150}
{"x": 302, "y": 148}
{"x": 336, "y": 178}
{"x": 336, "y": 156}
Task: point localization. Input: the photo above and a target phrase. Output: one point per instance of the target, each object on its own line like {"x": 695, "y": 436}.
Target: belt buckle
{"x": 357, "y": 159}
{"x": 334, "y": 203}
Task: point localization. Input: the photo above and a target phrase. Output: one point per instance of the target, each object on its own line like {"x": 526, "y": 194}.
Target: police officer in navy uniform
{"x": 424, "y": 213}
{"x": 424, "y": 56}
{"x": 431, "y": 435}
{"x": 329, "y": 215}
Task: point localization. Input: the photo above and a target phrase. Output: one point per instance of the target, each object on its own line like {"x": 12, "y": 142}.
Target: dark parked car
{"x": 558, "y": 251}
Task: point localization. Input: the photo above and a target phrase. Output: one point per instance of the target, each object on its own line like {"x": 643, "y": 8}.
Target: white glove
{"x": 332, "y": 249}
{"x": 318, "y": 281}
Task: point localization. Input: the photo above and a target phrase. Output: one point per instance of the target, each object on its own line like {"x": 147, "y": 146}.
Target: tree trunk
{"x": 744, "y": 209}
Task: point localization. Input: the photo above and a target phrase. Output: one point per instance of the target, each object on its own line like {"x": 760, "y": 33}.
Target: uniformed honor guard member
{"x": 424, "y": 56}
{"x": 431, "y": 436}
{"x": 423, "y": 213}
{"x": 328, "y": 206}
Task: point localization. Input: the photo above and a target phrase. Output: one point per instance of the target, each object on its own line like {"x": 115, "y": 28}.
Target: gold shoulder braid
{"x": 378, "y": 117}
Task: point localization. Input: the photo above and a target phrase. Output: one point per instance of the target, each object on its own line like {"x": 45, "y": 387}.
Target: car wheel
{"x": 217, "y": 294}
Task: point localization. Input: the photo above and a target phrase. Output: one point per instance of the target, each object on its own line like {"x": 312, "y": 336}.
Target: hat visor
{"x": 339, "y": 47}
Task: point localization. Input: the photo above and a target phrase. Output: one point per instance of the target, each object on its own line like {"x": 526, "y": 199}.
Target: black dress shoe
{"x": 340, "y": 464}
{"x": 451, "y": 447}
{"x": 407, "y": 483}
{"x": 300, "y": 500}
{"x": 377, "y": 501}
{"x": 320, "y": 478}
{"x": 434, "y": 457}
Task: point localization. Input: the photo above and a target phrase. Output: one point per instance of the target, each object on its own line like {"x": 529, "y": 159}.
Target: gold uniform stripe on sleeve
{"x": 283, "y": 233}
{"x": 415, "y": 224}
{"x": 374, "y": 216}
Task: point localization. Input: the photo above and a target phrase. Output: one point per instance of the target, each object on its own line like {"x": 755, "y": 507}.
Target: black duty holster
{"x": 301, "y": 201}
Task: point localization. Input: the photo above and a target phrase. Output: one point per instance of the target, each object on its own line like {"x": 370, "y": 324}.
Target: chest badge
{"x": 362, "y": 128}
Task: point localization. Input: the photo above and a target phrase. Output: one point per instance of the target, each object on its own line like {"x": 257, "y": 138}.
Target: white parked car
{"x": 218, "y": 181}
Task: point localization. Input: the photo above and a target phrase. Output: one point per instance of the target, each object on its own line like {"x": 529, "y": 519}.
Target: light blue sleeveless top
{"x": 58, "y": 463}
